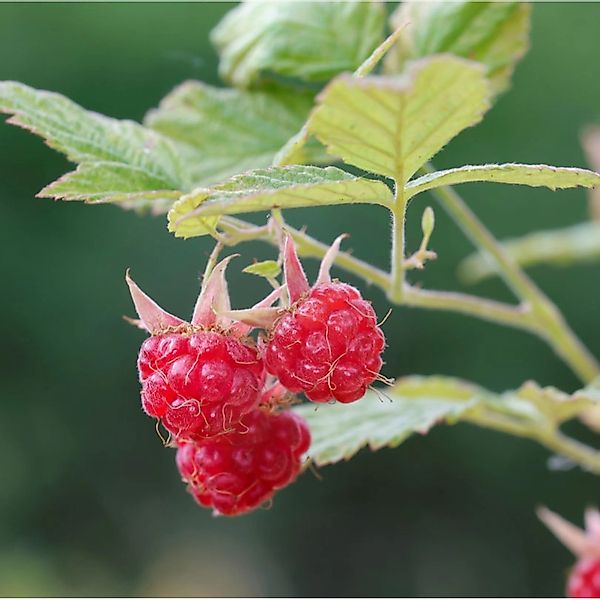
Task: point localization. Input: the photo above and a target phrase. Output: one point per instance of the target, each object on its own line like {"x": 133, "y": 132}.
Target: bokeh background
{"x": 90, "y": 502}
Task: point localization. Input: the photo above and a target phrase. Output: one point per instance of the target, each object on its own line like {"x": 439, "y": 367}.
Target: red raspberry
{"x": 328, "y": 345}
{"x": 238, "y": 471}
{"x": 584, "y": 579}
{"x": 199, "y": 384}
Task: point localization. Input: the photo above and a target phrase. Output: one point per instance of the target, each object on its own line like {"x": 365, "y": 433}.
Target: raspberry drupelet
{"x": 198, "y": 378}
{"x": 584, "y": 578}
{"x": 237, "y": 472}
{"x": 326, "y": 343}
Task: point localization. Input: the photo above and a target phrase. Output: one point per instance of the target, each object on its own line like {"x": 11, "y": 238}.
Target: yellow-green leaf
{"x": 294, "y": 186}
{"x": 265, "y": 268}
{"x": 511, "y": 173}
{"x": 393, "y": 125}
{"x": 183, "y": 223}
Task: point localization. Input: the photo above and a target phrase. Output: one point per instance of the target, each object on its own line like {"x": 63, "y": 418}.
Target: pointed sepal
{"x": 213, "y": 300}
{"x": 253, "y": 317}
{"x": 581, "y": 543}
{"x": 328, "y": 260}
{"x": 295, "y": 278}
{"x": 153, "y": 318}
{"x": 260, "y": 315}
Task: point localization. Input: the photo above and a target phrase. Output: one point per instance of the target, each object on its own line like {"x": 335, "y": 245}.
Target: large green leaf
{"x": 413, "y": 405}
{"x": 559, "y": 247}
{"x": 220, "y": 132}
{"x": 119, "y": 160}
{"x": 393, "y": 125}
{"x": 294, "y": 186}
{"x": 514, "y": 173}
{"x": 313, "y": 41}
{"x": 493, "y": 33}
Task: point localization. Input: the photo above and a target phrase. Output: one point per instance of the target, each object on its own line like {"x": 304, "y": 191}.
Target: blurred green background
{"x": 90, "y": 502}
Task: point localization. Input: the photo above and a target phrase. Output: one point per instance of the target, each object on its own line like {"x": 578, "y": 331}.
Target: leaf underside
{"x": 311, "y": 41}
{"x": 495, "y": 34}
{"x": 119, "y": 160}
{"x": 415, "y": 404}
{"x": 294, "y": 186}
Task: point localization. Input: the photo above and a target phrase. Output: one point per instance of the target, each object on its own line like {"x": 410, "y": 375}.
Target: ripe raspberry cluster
{"x": 207, "y": 381}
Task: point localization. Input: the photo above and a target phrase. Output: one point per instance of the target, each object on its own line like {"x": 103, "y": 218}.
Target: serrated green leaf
{"x": 220, "y": 132}
{"x": 559, "y": 247}
{"x": 493, "y": 33}
{"x": 266, "y": 268}
{"x": 102, "y": 182}
{"x": 511, "y": 173}
{"x": 294, "y": 186}
{"x": 313, "y": 41}
{"x": 120, "y": 161}
{"x": 183, "y": 223}
{"x": 393, "y": 125}
{"x": 413, "y": 405}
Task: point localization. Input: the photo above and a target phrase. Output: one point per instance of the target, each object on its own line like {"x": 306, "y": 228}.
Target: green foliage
{"x": 493, "y": 33}
{"x": 384, "y": 418}
{"x": 392, "y": 126}
{"x": 278, "y": 187}
{"x": 220, "y": 132}
{"x": 119, "y": 160}
{"x": 532, "y": 175}
{"x": 207, "y": 153}
{"x": 266, "y": 268}
{"x": 184, "y": 223}
{"x": 312, "y": 41}
{"x": 414, "y": 404}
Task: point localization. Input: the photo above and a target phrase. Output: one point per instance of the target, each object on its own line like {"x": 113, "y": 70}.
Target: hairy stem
{"x": 306, "y": 246}
{"x": 548, "y": 322}
{"x": 396, "y": 290}
{"x": 489, "y": 310}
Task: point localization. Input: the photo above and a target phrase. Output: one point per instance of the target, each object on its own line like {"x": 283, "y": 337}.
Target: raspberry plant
{"x": 323, "y": 110}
